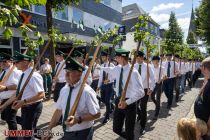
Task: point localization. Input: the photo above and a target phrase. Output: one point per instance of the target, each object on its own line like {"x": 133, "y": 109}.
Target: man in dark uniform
{"x": 148, "y": 80}
{"x": 171, "y": 71}
{"x": 32, "y": 97}
{"x": 80, "y": 126}
{"x": 125, "y": 111}
{"x": 202, "y": 103}
{"x": 159, "y": 74}
{"x": 189, "y": 78}
{"x": 106, "y": 85}
{"x": 178, "y": 78}
{"x": 59, "y": 78}
{"x": 7, "y": 90}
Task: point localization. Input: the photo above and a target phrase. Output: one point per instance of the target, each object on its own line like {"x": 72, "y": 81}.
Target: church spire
{"x": 192, "y": 27}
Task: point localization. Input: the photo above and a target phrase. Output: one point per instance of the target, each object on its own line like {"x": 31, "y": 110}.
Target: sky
{"x": 160, "y": 11}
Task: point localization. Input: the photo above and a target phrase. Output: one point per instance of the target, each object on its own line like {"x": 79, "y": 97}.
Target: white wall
{"x": 91, "y": 20}
{"x": 116, "y": 5}
{"x": 129, "y": 44}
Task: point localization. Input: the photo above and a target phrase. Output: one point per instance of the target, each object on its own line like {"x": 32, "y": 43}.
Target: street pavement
{"x": 162, "y": 129}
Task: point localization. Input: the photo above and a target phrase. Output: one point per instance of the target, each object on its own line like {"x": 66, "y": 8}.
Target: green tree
{"x": 191, "y": 39}
{"x": 202, "y": 21}
{"x": 9, "y": 14}
{"x": 174, "y": 35}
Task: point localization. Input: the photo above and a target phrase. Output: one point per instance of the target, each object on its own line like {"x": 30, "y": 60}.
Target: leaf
{"x": 31, "y": 26}
{"x": 7, "y": 33}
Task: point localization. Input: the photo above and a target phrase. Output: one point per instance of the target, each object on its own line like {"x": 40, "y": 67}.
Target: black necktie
{"x": 19, "y": 84}
{"x": 104, "y": 73}
{"x": 92, "y": 70}
{"x": 57, "y": 68}
{"x": 2, "y": 76}
{"x": 67, "y": 107}
{"x": 121, "y": 82}
{"x": 140, "y": 69}
{"x": 168, "y": 70}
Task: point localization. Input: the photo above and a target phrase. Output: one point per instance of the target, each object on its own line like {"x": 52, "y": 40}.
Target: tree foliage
{"x": 202, "y": 21}
{"x": 191, "y": 39}
{"x": 174, "y": 35}
{"x": 150, "y": 47}
{"x": 9, "y": 17}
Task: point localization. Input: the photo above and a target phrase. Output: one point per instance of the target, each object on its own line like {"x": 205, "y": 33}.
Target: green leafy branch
{"x": 140, "y": 32}
{"x": 150, "y": 47}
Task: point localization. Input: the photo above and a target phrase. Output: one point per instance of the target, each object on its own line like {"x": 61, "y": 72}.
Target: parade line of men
{"x": 105, "y": 84}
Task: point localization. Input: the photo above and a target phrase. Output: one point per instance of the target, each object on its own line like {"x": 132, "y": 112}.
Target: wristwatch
{"x": 79, "y": 120}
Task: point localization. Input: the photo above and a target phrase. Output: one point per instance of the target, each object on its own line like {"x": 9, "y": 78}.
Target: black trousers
{"x": 142, "y": 109}
{"x": 9, "y": 115}
{"x": 57, "y": 90}
{"x": 168, "y": 89}
{"x": 94, "y": 84}
{"x": 189, "y": 79}
{"x": 195, "y": 76}
{"x": 127, "y": 116}
{"x": 107, "y": 92}
{"x": 177, "y": 86}
{"x": 86, "y": 134}
{"x": 30, "y": 115}
{"x": 156, "y": 97}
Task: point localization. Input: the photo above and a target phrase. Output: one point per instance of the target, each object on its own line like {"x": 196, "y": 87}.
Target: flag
{"x": 100, "y": 30}
{"x": 81, "y": 25}
{"x": 72, "y": 23}
{"x": 78, "y": 25}
{"x": 94, "y": 28}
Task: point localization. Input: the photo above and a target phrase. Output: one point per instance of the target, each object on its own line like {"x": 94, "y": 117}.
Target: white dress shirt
{"x": 62, "y": 74}
{"x": 89, "y": 79}
{"x": 135, "y": 90}
{"x": 172, "y": 74}
{"x": 12, "y": 80}
{"x": 45, "y": 68}
{"x": 88, "y": 103}
{"x": 144, "y": 75}
{"x": 34, "y": 86}
{"x": 190, "y": 66}
{"x": 197, "y": 65}
{"x": 193, "y": 67}
{"x": 110, "y": 77}
{"x": 187, "y": 66}
{"x": 182, "y": 68}
{"x": 157, "y": 74}
{"x": 96, "y": 71}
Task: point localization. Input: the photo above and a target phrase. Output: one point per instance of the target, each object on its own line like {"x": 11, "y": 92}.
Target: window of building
{"x": 156, "y": 30}
{"x": 77, "y": 15}
{"x": 27, "y": 8}
{"x": 6, "y": 45}
{"x": 129, "y": 12}
{"x": 4, "y": 42}
{"x": 40, "y": 9}
{"x": 151, "y": 27}
{"x": 63, "y": 14}
{"x": 23, "y": 47}
{"x": 106, "y": 2}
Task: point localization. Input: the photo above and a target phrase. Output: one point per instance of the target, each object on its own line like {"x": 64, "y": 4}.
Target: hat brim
{"x": 72, "y": 69}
